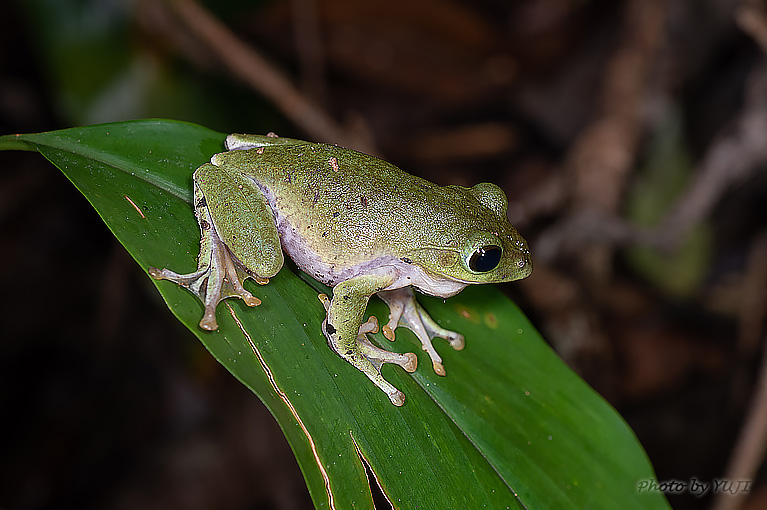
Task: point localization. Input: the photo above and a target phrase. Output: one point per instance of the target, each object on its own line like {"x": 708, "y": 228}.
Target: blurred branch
{"x": 753, "y": 297}
{"x": 731, "y": 160}
{"x": 308, "y": 40}
{"x": 751, "y": 16}
{"x": 601, "y": 158}
{"x": 468, "y": 142}
{"x": 246, "y": 63}
{"x": 586, "y": 228}
{"x": 544, "y": 199}
{"x": 752, "y": 442}
{"x": 751, "y": 446}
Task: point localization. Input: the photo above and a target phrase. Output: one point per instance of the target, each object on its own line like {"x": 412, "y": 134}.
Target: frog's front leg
{"x": 405, "y": 311}
{"x": 238, "y": 240}
{"x": 345, "y": 331}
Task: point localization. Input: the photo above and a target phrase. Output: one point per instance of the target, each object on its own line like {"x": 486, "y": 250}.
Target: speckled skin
{"x": 349, "y": 208}
{"x": 351, "y": 221}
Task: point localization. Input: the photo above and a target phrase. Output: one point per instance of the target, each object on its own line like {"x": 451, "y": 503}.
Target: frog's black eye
{"x": 485, "y": 259}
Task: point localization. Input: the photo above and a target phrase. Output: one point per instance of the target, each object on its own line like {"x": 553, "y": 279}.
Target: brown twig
{"x": 309, "y": 48}
{"x": 752, "y": 441}
{"x": 751, "y": 16}
{"x": 732, "y": 160}
{"x": 735, "y": 157}
{"x": 246, "y": 63}
{"x": 751, "y": 447}
{"x": 601, "y": 158}
{"x": 753, "y": 297}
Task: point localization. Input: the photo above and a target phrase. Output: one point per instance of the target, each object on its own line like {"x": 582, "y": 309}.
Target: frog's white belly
{"x": 330, "y": 274}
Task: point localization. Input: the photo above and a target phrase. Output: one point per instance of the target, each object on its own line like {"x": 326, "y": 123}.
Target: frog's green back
{"x": 350, "y": 207}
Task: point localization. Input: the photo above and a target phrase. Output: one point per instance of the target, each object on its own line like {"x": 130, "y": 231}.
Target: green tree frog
{"x": 353, "y": 222}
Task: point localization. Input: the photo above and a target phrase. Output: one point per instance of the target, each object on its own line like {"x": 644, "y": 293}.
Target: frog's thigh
{"x": 350, "y": 299}
{"x": 243, "y": 219}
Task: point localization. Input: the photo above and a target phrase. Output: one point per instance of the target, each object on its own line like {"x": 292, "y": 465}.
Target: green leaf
{"x": 509, "y": 427}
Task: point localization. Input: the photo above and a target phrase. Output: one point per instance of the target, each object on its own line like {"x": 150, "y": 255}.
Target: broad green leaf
{"x": 509, "y": 427}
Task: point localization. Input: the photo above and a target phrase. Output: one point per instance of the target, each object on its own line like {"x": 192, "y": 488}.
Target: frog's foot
{"x": 367, "y": 357}
{"x": 219, "y": 275}
{"x": 405, "y": 311}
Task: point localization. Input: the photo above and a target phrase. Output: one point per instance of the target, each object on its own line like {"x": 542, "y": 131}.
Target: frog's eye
{"x": 485, "y": 259}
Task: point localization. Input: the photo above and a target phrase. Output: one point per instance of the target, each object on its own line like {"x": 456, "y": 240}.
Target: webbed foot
{"x": 217, "y": 278}
{"x": 405, "y": 311}
{"x": 219, "y": 273}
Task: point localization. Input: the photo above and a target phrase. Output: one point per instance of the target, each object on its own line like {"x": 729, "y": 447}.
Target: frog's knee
{"x": 265, "y": 265}
{"x": 331, "y": 333}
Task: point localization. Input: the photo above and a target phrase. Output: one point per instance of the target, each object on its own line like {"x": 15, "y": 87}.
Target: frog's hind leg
{"x": 230, "y": 229}
{"x": 346, "y": 333}
{"x": 405, "y": 311}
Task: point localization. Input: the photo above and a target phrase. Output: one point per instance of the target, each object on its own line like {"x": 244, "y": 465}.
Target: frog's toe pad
{"x": 456, "y": 341}
{"x": 408, "y": 360}
{"x": 250, "y": 299}
{"x": 411, "y": 363}
{"x": 388, "y": 332}
{"x": 397, "y": 398}
{"x": 208, "y": 321}
{"x": 155, "y": 273}
{"x": 439, "y": 368}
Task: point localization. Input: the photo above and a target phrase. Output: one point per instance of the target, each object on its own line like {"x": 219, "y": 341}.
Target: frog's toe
{"x": 369, "y": 326}
{"x": 232, "y": 287}
{"x": 250, "y": 299}
{"x": 155, "y": 273}
{"x": 378, "y": 356}
{"x": 185, "y": 280}
{"x": 219, "y": 276}
{"x": 368, "y": 359}
{"x": 405, "y": 311}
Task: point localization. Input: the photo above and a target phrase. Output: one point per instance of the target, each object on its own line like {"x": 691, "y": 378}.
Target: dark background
{"x": 630, "y": 138}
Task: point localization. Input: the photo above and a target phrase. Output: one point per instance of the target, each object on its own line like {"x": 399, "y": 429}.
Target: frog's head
{"x": 496, "y": 256}
{"x": 483, "y": 247}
